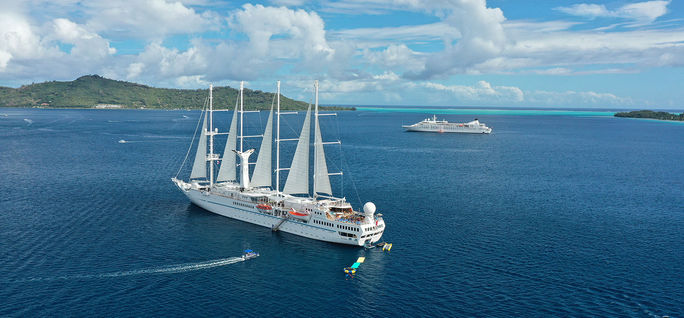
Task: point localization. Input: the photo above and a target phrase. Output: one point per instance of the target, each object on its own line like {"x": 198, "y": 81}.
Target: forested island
{"x": 94, "y": 91}
{"x": 651, "y": 115}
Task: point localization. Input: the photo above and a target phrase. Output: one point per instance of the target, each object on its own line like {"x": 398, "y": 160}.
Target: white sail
{"x": 321, "y": 178}
{"x": 228, "y": 164}
{"x": 199, "y": 167}
{"x": 262, "y": 171}
{"x": 298, "y": 177}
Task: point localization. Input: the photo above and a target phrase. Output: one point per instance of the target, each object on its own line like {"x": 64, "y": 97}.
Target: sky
{"x": 499, "y": 53}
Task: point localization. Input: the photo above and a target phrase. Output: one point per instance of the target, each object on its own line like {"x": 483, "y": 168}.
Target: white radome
{"x": 369, "y": 208}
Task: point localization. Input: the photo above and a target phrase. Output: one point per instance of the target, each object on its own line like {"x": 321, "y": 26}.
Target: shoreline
{"x": 163, "y": 109}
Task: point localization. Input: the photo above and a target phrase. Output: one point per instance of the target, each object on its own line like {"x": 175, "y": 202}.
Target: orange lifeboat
{"x": 298, "y": 214}
{"x": 264, "y": 207}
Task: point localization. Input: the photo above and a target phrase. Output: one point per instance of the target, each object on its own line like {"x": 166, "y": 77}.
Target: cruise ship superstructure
{"x": 435, "y": 125}
{"x": 296, "y": 209}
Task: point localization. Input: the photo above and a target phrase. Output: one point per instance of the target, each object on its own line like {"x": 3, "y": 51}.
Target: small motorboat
{"x": 249, "y": 254}
{"x": 122, "y": 141}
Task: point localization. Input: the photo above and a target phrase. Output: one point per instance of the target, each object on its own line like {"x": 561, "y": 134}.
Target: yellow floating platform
{"x": 361, "y": 259}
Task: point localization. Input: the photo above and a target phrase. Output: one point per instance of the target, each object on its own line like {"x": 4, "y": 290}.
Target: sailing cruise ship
{"x": 296, "y": 209}
{"x": 434, "y": 125}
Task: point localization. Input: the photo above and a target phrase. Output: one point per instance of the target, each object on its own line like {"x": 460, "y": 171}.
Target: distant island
{"x": 651, "y": 115}
{"x": 94, "y": 91}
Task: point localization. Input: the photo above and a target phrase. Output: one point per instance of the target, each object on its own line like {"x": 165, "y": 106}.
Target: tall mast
{"x": 242, "y": 112}
{"x": 316, "y": 123}
{"x": 211, "y": 137}
{"x": 278, "y": 142}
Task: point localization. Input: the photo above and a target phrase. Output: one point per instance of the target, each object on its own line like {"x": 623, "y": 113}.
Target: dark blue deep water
{"x": 548, "y": 216}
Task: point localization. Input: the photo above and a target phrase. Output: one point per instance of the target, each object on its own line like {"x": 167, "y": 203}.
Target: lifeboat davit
{"x": 264, "y": 207}
{"x": 298, "y": 214}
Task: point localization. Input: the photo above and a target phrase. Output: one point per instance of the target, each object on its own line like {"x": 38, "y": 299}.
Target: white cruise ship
{"x": 296, "y": 209}
{"x": 441, "y": 126}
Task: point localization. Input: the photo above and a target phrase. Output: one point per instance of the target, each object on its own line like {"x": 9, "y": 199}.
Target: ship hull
{"x": 461, "y": 130}
{"x": 225, "y": 206}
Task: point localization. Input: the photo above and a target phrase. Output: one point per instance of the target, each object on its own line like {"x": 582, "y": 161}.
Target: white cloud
{"x": 640, "y": 12}
{"x": 482, "y": 91}
{"x": 470, "y": 32}
{"x": 553, "y": 71}
{"x": 191, "y": 81}
{"x": 387, "y": 76}
{"x": 87, "y": 45}
{"x": 398, "y": 57}
{"x": 303, "y": 32}
{"x": 586, "y": 10}
{"x": 32, "y": 51}
{"x": 289, "y": 3}
{"x": 157, "y": 61}
{"x": 134, "y": 70}
{"x": 146, "y": 19}
{"x": 18, "y": 40}
{"x": 276, "y": 37}
{"x": 573, "y": 98}
{"x": 391, "y": 88}
{"x": 480, "y": 36}
{"x": 644, "y": 12}
{"x": 121, "y": 19}
{"x": 374, "y": 37}
{"x": 582, "y": 48}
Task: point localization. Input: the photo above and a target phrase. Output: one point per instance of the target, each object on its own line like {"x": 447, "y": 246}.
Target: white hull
{"x": 443, "y": 126}
{"x": 462, "y": 130}
{"x": 249, "y": 213}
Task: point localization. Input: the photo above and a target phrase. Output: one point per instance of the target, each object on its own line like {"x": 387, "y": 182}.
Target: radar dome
{"x": 369, "y": 208}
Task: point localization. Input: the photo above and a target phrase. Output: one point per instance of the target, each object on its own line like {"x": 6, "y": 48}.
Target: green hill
{"x": 651, "y": 114}
{"x": 91, "y": 90}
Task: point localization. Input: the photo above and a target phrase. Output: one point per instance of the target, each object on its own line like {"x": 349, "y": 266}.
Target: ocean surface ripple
{"x": 552, "y": 214}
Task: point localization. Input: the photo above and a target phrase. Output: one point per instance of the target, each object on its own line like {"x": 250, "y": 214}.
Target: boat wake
{"x": 167, "y": 269}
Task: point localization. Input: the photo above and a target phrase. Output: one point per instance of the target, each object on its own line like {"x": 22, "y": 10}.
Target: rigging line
{"x": 193, "y": 137}
{"x": 339, "y": 148}
{"x": 336, "y": 125}
{"x": 356, "y": 191}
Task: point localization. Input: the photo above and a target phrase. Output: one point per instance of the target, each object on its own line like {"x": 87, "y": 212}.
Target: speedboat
{"x": 249, "y": 254}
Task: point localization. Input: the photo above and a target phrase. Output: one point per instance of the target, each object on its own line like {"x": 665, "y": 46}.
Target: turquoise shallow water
{"x": 564, "y": 216}
{"x": 474, "y": 111}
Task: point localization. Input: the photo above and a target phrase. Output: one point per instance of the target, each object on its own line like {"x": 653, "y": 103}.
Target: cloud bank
{"x": 186, "y": 44}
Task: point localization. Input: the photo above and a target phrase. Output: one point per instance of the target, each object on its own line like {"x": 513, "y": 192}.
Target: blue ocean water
{"x": 550, "y": 215}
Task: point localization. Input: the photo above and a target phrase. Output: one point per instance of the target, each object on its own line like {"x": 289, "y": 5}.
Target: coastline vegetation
{"x": 651, "y": 115}
{"x": 93, "y": 91}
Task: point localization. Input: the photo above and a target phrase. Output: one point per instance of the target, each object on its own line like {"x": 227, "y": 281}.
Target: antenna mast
{"x": 242, "y": 112}
{"x": 278, "y": 142}
{"x": 211, "y": 137}
{"x": 316, "y": 125}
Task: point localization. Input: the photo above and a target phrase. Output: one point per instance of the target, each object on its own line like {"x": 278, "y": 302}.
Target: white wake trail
{"x": 168, "y": 269}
